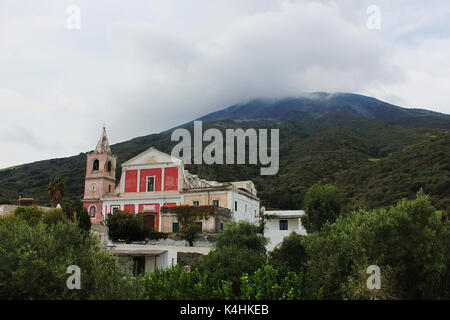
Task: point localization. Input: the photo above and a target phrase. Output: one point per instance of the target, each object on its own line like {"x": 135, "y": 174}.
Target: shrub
{"x": 31, "y": 214}
{"x": 34, "y": 262}
{"x": 76, "y": 210}
{"x": 191, "y": 233}
{"x": 155, "y": 235}
{"x": 323, "y": 202}
{"x": 242, "y": 235}
{"x": 54, "y": 216}
{"x": 408, "y": 241}
{"x": 125, "y": 226}
{"x": 290, "y": 256}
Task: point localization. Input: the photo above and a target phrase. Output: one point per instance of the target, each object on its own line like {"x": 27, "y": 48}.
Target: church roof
{"x": 103, "y": 144}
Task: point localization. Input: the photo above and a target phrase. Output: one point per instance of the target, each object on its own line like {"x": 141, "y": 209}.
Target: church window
{"x": 95, "y": 165}
{"x": 92, "y": 210}
{"x": 150, "y": 184}
{"x": 109, "y": 166}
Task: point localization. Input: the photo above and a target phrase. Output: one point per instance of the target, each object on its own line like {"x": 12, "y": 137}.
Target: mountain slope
{"x": 342, "y": 140}
{"x": 318, "y": 104}
{"x": 424, "y": 165}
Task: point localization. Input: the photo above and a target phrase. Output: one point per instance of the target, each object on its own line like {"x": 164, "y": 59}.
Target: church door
{"x": 149, "y": 221}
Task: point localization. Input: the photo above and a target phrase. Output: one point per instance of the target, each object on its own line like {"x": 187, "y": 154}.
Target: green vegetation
{"x": 56, "y": 190}
{"x": 35, "y": 255}
{"x": 290, "y": 256}
{"x": 73, "y": 211}
{"x": 409, "y": 241}
{"x": 323, "y": 203}
{"x": 424, "y": 165}
{"x": 130, "y": 227}
{"x": 125, "y": 226}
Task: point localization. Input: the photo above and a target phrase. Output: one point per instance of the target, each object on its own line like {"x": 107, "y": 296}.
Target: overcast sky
{"x": 145, "y": 66}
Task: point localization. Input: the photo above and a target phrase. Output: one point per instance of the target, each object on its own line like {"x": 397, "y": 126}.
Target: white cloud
{"x": 151, "y": 65}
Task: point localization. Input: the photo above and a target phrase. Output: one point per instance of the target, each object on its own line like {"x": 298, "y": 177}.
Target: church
{"x": 153, "y": 180}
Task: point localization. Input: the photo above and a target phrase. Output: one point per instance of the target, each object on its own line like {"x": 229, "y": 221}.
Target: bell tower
{"x": 100, "y": 179}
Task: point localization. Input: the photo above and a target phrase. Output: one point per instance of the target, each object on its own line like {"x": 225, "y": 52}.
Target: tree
{"x": 56, "y": 189}
{"x": 229, "y": 264}
{"x": 70, "y": 211}
{"x": 76, "y": 210}
{"x": 267, "y": 283}
{"x": 290, "y": 256}
{"x": 323, "y": 202}
{"x": 125, "y": 226}
{"x": 31, "y": 214}
{"x": 408, "y": 241}
{"x": 188, "y": 216}
{"x": 190, "y": 233}
{"x": 242, "y": 234}
{"x": 35, "y": 259}
{"x": 239, "y": 249}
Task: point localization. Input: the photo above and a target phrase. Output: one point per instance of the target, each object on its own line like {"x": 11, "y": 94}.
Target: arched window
{"x": 95, "y": 165}
{"x": 109, "y": 166}
{"x": 109, "y": 188}
{"x": 92, "y": 210}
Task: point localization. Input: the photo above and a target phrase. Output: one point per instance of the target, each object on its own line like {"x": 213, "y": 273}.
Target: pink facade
{"x": 145, "y": 173}
{"x": 98, "y": 210}
{"x": 170, "y": 179}
{"x": 130, "y": 208}
{"x": 131, "y": 181}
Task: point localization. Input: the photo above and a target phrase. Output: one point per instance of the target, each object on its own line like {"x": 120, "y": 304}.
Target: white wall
{"x": 276, "y": 236}
{"x": 163, "y": 261}
{"x": 246, "y": 207}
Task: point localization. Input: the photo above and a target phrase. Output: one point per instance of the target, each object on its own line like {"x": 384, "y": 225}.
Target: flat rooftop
{"x": 152, "y": 250}
{"x": 286, "y": 213}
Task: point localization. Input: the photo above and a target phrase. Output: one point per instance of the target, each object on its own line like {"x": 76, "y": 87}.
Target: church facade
{"x": 152, "y": 180}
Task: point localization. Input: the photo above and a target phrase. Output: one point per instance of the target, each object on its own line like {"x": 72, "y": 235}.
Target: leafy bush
{"x": 409, "y": 242}
{"x": 31, "y": 214}
{"x": 34, "y": 260}
{"x": 76, "y": 210}
{"x": 267, "y": 284}
{"x": 229, "y": 263}
{"x": 191, "y": 233}
{"x": 155, "y": 235}
{"x": 244, "y": 235}
{"x": 125, "y": 226}
{"x": 291, "y": 255}
{"x": 323, "y": 202}
{"x": 176, "y": 284}
{"x": 239, "y": 249}
{"x": 54, "y": 216}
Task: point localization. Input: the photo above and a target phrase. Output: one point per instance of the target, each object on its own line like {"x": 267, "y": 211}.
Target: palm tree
{"x": 56, "y": 190}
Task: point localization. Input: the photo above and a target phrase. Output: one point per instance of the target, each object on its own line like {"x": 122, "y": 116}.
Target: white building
{"x": 137, "y": 259}
{"x": 281, "y": 224}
